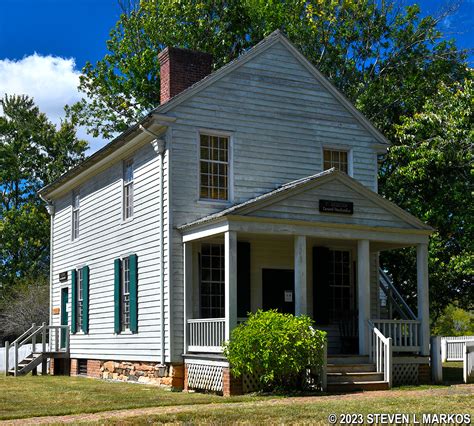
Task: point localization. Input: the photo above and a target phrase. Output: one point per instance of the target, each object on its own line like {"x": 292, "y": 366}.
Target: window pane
{"x": 214, "y": 167}
{"x": 212, "y": 281}
{"x": 337, "y": 159}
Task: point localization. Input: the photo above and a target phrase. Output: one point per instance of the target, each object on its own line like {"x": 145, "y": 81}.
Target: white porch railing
{"x": 405, "y": 334}
{"x": 468, "y": 367}
{"x": 381, "y": 353}
{"x": 206, "y": 335}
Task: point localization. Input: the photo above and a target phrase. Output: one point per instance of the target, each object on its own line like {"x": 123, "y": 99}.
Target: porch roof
{"x": 253, "y": 205}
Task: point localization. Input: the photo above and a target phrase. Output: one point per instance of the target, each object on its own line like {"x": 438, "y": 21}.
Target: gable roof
{"x": 290, "y": 188}
{"x": 275, "y": 37}
{"x": 158, "y": 113}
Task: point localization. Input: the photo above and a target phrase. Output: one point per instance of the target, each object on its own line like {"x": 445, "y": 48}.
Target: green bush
{"x": 277, "y": 348}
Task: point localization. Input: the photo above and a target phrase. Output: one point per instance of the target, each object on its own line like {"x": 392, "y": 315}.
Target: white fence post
{"x": 468, "y": 363}
{"x": 7, "y": 357}
{"x": 436, "y": 360}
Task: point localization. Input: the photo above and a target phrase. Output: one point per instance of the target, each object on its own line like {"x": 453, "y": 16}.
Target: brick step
{"x": 357, "y": 386}
{"x": 348, "y": 368}
{"x": 354, "y": 377}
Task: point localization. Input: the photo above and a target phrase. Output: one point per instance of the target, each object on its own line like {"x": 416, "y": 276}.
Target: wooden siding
{"x": 104, "y": 236}
{"x": 305, "y": 206}
{"x": 279, "y": 119}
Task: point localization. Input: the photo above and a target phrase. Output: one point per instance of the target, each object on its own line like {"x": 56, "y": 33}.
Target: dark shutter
{"x": 321, "y": 294}
{"x": 73, "y": 301}
{"x": 85, "y": 299}
{"x": 243, "y": 279}
{"x": 117, "y": 288}
{"x": 133, "y": 293}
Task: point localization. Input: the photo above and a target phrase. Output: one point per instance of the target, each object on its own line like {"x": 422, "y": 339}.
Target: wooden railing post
{"x": 15, "y": 372}
{"x": 43, "y": 337}
{"x": 33, "y": 340}
{"x": 324, "y": 369}
{"x": 389, "y": 362}
{"x": 7, "y": 357}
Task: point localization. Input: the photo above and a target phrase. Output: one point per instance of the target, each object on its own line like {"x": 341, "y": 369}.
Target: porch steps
{"x": 349, "y": 373}
{"x": 27, "y": 364}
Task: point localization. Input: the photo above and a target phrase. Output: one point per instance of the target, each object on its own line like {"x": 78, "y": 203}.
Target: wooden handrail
{"x": 381, "y": 352}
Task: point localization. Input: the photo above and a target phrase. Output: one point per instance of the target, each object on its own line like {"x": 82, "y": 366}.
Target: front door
{"x": 341, "y": 286}
{"x": 278, "y": 287}
{"x": 64, "y": 314}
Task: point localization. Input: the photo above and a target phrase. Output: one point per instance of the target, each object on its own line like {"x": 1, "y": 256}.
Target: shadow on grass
{"x": 452, "y": 372}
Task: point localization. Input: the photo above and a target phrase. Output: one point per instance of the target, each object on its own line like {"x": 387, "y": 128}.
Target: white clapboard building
{"x": 254, "y": 186}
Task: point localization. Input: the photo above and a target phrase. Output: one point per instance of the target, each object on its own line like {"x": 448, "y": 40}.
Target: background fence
{"x": 453, "y": 347}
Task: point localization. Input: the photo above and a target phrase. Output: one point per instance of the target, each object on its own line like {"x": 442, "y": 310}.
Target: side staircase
{"x": 350, "y": 373}
{"x": 47, "y": 342}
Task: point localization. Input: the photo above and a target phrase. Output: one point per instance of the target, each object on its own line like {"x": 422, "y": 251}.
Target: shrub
{"x": 277, "y": 348}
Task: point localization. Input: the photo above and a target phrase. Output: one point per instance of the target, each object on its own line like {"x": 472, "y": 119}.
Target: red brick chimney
{"x": 181, "y": 68}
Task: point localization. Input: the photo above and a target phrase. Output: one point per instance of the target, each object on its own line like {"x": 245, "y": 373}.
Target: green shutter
{"x": 133, "y": 293}
{"x": 73, "y": 301}
{"x": 85, "y": 299}
{"x": 117, "y": 281}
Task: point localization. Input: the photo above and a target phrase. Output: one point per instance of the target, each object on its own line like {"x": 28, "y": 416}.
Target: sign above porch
{"x": 332, "y": 206}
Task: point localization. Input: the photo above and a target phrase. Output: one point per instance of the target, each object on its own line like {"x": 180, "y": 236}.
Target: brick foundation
{"x": 185, "y": 384}
{"x": 231, "y": 385}
{"x": 424, "y": 374}
{"x": 73, "y": 369}
{"x": 93, "y": 368}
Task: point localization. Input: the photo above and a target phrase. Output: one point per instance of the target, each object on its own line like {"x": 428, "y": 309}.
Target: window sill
{"x": 217, "y": 203}
{"x": 125, "y": 333}
{"x": 127, "y": 221}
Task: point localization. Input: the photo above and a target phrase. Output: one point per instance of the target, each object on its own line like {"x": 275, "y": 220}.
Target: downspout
{"x": 159, "y": 145}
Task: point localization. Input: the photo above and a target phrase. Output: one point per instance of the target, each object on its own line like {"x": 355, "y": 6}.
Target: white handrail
{"x": 47, "y": 333}
{"x": 381, "y": 353}
{"x": 405, "y": 334}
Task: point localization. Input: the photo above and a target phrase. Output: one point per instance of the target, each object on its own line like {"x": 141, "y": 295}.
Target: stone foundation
{"x": 169, "y": 375}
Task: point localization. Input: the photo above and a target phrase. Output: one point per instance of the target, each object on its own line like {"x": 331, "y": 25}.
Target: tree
{"x": 384, "y": 58}
{"x": 454, "y": 321}
{"x": 33, "y": 152}
{"x": 429, "y": 172}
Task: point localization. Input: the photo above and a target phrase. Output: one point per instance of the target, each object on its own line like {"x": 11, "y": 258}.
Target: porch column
{"x": 363, "y": 296}
{"x": 230, "y": 248}
{"x": 423, "y": 296}
{"x": 301, "y": 305}
{"x": 188, "y": 289}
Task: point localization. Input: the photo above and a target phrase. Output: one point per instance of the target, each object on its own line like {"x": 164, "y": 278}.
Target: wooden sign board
{"x": 63, "y": 276}
{"x": 332, "y": 206}
{"x": 56, "y": 311}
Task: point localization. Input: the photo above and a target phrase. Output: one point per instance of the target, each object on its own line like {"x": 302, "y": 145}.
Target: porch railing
{"x": 206, "y": 334}
{"x": 381, "y": 353}
{"x": 405, "y": 334}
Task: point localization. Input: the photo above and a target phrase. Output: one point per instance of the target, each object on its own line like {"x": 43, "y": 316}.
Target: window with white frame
{"x": 214, "y": 167}
{"x": 76, "y": 201}
{"x": 127, "y": 189}
{"x": 80, "y": 298}
{"x": 337, "y": 159}
{"x": 212, "y": 296}
{"x": 125, "y": 294}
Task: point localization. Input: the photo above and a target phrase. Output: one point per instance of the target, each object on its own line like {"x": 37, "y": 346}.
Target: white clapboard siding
{"x": 104, "y": 236}
{"x": 279, "y": 118}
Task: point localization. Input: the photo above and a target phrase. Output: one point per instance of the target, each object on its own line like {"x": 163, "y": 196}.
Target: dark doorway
{"x": 64, "y": 314}
{"x": 278, "y": 287}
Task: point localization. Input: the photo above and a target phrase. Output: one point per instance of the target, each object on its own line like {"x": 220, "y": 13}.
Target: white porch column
{"x": 363, "y": 296}
{"x": 230, "y": 245}
{"x": 423, "y": 296}
{"x": 300, "y": 276}
{"x": 188, "y": 289}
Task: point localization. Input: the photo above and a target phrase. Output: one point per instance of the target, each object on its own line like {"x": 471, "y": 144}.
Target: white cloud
{"x": 51, "y": 80}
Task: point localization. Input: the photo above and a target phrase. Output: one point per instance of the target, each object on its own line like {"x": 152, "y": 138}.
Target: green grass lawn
{"x": 31, "y": 396}
{"x": 316, "y": 410}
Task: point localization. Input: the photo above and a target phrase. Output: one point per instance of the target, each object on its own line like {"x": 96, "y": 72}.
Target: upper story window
{"x": 214, "y": 167}
{"x": 76, "y": 200}
{"x": 125, "y": 294}
{"x": 80, "y": 299}
{"x": 128, "y": 189}
{"x": 337, "y": 159}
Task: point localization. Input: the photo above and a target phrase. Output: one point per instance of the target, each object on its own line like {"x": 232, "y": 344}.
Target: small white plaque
{"x": 288, "y": 296}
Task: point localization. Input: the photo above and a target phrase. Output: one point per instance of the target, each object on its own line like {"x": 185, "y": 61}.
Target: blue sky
{"x": 45, "y": 43}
